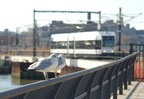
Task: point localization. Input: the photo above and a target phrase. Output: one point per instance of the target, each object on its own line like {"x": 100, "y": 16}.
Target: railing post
{"x": 115, "y": 90}
{"x": 126, "y": 74}
{"x": 130, "y": 75}
{"x": 132, "y": 69}
{"x": 131, "y": 48}
{"x": 115, "y": 95}
{"x": 121, "y": 89}
{"x": 132, "y": 66}
{"x": 125, "y": 80}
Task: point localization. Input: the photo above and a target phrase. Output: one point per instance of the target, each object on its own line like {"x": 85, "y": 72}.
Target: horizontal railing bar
{"x": 82, "y": 95}
{"x": 105, "y": 82}
{"x": 113, "y": 77}
{"x": 95, "y": 88}
{"x": 119, "y": 73}
{"x": 124, "y": 69}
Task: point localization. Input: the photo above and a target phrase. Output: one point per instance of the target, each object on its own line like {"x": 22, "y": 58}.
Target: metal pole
{"x": 100, "y": 17}
{"x": 68, "y": 45}
{"x": 89, "y": 16}
{"x": 17, "y": 38}
{"x": 34, "y": 34}
{"x": 7, "y": 42}
{"x": 131, "y": 48}
{"x": 1, "y": 46}
{"x": 74, "y": 45}
{"x": 120, "y": 23}
{"x": 99, "y": 25}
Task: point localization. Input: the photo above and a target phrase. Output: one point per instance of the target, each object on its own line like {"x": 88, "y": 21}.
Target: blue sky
{"x": 19, "y": 13}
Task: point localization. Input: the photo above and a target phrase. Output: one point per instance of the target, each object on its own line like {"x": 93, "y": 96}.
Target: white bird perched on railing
{"x": 45, "y": 65}
{"x": 61, "y": 63}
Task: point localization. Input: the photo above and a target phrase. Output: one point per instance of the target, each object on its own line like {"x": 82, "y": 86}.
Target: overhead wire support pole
{"x": 119, "y": 31}
{"x": 34, "y": 34}
{"x": 99, "y": 20}
{"x": 50, "y": 11}
{"x": 100, "y": 17}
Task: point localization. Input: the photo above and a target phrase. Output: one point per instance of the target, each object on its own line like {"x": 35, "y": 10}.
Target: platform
{"x": 134, "y": 91}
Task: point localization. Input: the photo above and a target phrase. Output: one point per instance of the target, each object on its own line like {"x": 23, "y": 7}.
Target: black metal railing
{"x": 139, "y": 64}
{"x": 136, "y": 48}
{"x": 97, "y": 83}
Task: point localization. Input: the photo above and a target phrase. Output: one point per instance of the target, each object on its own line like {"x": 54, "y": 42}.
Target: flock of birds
{"x": 53, "y": 63}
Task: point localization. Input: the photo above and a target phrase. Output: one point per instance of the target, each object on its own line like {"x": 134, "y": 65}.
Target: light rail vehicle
{"x": 82, "y": 43}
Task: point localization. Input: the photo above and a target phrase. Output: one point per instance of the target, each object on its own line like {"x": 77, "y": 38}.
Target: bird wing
{"x": 32, "y": 66}
{"x": 60, "y": 61}
{"x": 61, "y": 64}
{"x": 45, "y": 63}
{"x": 40, "y": 64}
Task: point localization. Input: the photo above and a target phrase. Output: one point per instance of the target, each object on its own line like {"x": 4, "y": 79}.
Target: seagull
{"x": 61, "y": 63}
{"x": 46, "y": 65}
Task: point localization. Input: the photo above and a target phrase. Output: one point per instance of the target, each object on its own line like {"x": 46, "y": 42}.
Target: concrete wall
{"x": 83, "y": 63}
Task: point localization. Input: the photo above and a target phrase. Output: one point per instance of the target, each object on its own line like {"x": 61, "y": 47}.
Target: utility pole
{"x": 17, "y": 38}
{"x": 100, "y": 17}
{"x": 119, "y": 31}
{"x": 99, "y": 26}
{"x": 34, "y": 34}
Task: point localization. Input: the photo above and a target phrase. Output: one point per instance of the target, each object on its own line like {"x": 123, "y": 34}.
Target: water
{"x": 7, "y": 82}
{"x": 126, "y": 47}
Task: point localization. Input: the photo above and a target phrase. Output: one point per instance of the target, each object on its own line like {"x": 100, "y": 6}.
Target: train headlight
{"x": 104, "y": 51}
{"x": 112, "y": 51}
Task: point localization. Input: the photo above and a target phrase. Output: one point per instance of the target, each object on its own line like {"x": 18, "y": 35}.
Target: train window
{"x": 62, "y": 45}
{"x": 90, "y": 44}
{"x": 87, "y": 44}
{"x": 53, "y": 45}
{"x": 78, "y": 45}
{"x": 59, "y": 45}
{"x": 108, "y": 41}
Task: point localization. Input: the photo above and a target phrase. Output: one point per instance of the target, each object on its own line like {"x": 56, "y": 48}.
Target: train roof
{"x": 89, "y": 35}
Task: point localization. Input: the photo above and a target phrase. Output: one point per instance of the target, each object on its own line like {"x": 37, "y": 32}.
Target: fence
{"x": 139, "y": 64}
{"x": 100, "y": 82}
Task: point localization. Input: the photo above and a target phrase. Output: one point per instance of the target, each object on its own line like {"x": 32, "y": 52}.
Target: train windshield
{"x": 108, "y": 41}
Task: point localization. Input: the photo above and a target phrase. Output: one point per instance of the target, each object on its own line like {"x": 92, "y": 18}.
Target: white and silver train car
{"x": 92, "y": 42}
